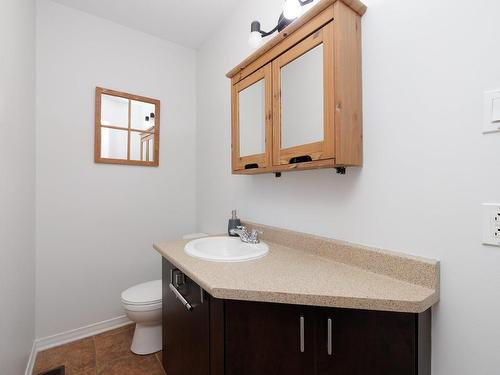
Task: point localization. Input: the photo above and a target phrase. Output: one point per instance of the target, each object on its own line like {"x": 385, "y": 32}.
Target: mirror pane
{"x": 114, "y": 143}
{"x": 114, "y": 111}
{"x": 142, "y": 115}
{"x": 302, "y": 99}
{"x": 252, "y": 119}
{"x": 141, "y": 146}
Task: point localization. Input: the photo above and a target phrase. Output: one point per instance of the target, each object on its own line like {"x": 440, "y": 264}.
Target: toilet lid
{"x": 142, "y": 294}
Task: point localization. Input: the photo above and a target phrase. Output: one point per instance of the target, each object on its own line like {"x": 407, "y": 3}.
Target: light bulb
{"x": 292, "y": 9}
{"x": 255, "y": 39}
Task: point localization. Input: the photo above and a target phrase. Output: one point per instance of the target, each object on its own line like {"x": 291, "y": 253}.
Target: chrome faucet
{"x": 246, "y": 236}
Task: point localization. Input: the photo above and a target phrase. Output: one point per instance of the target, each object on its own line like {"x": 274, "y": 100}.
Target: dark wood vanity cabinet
{"x": 186, "y": 333}
{"x": 266, "y": 338}
{"x": 226, "y": 337}
{"x": 371, "y": 342}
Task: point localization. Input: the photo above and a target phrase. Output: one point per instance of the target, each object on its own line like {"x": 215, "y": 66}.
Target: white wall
{"x": 17, "y": 184}
{"x": 96, "y": 223}
{"x": 427, "y": 166}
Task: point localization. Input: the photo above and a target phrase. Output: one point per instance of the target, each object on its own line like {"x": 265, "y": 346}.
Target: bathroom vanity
{"x": 311, "y": 306}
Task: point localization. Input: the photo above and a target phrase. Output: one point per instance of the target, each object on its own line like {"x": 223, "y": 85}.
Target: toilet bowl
{"x": 143, "y": 305}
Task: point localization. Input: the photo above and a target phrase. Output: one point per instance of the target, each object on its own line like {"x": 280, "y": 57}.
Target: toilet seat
{"x": 143, "y": 295}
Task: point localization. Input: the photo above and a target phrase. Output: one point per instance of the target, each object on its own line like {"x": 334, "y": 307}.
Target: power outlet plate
{"x": 491, "y": 224}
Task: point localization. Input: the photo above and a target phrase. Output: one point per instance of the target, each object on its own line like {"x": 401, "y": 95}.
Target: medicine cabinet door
{"x": 303, "y": 85}
{"x": 252, "y": 121}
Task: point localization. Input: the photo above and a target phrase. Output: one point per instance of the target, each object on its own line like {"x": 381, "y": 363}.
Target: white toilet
{"x": 143, "y": 305}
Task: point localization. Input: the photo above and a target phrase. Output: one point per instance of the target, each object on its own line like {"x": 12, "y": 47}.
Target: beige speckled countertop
{"x": 309, "y": 270}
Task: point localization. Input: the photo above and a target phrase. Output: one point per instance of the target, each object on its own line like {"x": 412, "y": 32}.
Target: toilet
{"x": 143, "y": 305}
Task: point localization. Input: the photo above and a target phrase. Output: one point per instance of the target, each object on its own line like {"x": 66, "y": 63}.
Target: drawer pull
{"x": 302, "y": 344}
{"x": 252, "y": 166}
{"x": 330, "y": 336}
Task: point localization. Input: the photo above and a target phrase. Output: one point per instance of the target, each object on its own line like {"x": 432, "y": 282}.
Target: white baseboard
{"x": 73, "y": 335}
{"x": 31, "y": 360}
{"x": 80, "y": 333}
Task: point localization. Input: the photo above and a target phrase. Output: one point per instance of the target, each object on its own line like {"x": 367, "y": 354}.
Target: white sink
{"x": 225, "y": 249}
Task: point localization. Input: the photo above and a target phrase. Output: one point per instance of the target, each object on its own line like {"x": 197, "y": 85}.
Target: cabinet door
{"x": 358, "y": 342}
{"x": 252, "y": 121}
{"x": 265, "y": 338}
{"x": 303, "y": 82}
{"x": 186, "y": 344}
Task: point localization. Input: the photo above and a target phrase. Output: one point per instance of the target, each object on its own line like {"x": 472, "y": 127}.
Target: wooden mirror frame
{"x": 264, "y": 159}
{"x": 99, "y": 91}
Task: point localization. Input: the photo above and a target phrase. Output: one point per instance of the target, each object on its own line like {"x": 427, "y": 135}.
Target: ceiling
{"x": 186, "y": 22}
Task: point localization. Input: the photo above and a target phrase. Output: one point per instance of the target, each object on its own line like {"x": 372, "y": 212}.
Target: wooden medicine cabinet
{"x": 296, "y": 101}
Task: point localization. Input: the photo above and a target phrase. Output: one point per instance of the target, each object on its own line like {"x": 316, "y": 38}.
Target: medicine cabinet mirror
{"x": 303, "y": 117}
{"x": 252, "y": 120}
{"x": 302, "y": 99}
{"x": 127, "y": 129}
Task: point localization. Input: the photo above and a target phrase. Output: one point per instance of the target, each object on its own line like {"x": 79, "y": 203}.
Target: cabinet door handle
{"x": 178, "y": 278}
{"x": 180, "y": 297}
{"x": 329, "y": 335}
{"x": 302, "y": 344}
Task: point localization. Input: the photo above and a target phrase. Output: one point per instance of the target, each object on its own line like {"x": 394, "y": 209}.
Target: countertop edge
{"x": 330, "y": 301}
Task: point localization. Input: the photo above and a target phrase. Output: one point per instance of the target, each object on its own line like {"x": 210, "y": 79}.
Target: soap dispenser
{"x": 234, "y": 223}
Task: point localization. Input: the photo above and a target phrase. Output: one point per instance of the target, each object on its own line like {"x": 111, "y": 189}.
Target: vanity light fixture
{"x": 292, "y": 9}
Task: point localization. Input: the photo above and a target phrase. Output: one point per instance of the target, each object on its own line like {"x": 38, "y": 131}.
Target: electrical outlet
{"x": 491, "y": 224}
{"x": 496, "y": 218}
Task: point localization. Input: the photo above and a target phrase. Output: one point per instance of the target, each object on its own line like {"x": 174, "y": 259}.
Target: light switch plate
{"x": 491, "y": 111}
{"x": 495, "y": 110}
{"x": 491, "y": 224}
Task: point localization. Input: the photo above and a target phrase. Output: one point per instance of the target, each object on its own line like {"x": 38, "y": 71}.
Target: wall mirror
{"x": 127, "y": 128}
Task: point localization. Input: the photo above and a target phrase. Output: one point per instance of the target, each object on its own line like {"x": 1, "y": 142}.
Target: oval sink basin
{"x": 225, "y": 249}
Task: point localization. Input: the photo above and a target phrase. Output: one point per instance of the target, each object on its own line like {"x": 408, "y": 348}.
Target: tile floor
{"x": 105, "y": 354}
